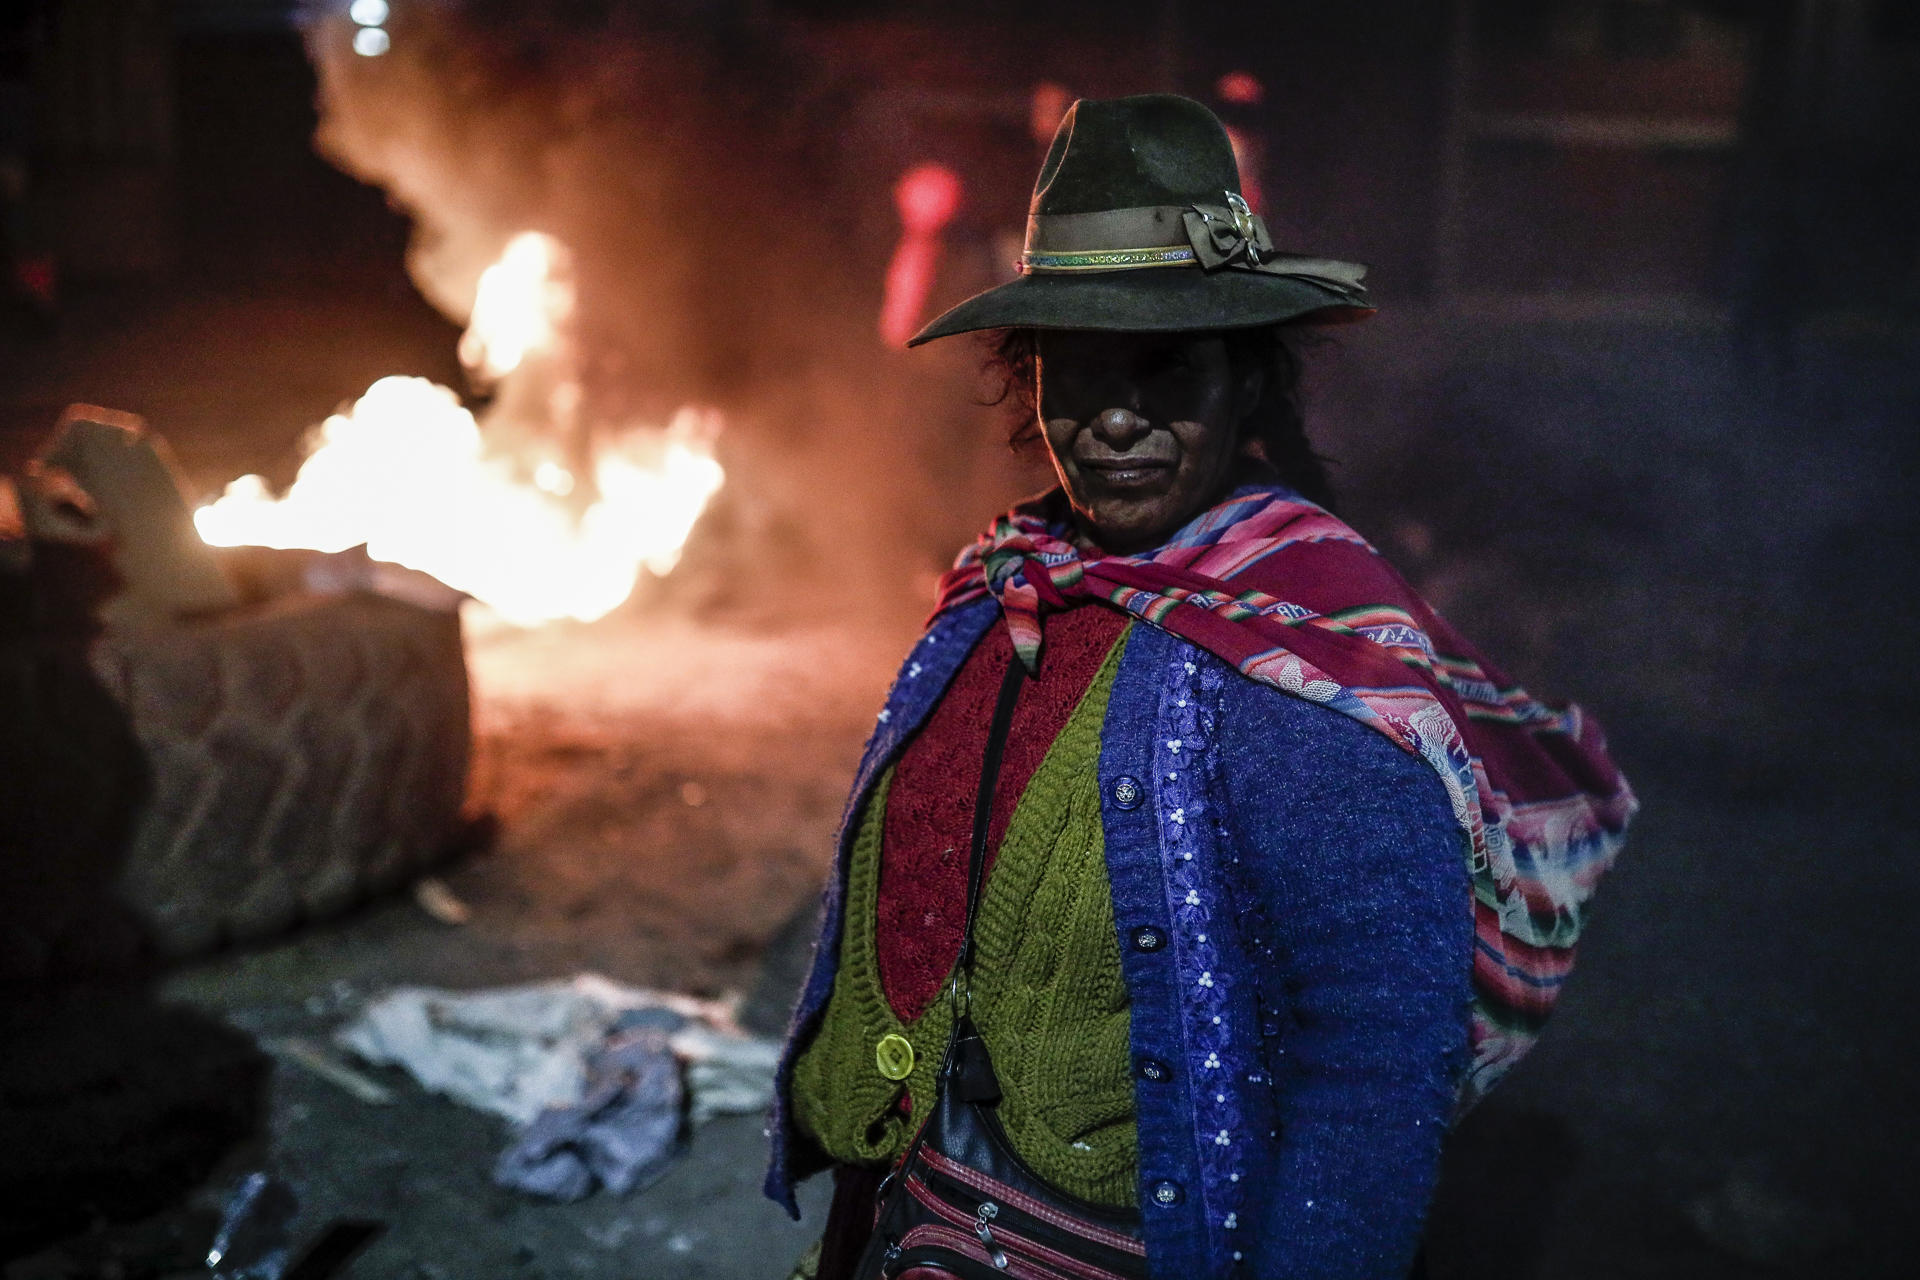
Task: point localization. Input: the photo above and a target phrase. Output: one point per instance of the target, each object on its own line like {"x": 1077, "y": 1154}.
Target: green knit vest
{"x": 1048, "y": 994}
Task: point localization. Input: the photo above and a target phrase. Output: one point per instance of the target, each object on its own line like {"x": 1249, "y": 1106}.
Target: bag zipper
{"x": 987, "y": 1213}
{"x": 953, "y": 1200}
{"x": 953, "y": 1250}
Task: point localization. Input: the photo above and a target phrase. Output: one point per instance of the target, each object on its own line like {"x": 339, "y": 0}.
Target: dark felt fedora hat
{"x": 1137, "y": 224}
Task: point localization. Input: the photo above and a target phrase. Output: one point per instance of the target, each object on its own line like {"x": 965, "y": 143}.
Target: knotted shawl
{"x": 1294, "y": 598}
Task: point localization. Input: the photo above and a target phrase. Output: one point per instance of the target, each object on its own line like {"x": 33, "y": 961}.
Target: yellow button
{"x": 894, "y": 1056}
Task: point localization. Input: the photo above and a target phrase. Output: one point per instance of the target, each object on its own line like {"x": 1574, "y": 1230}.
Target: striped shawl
{"x": 1294, "y": 598}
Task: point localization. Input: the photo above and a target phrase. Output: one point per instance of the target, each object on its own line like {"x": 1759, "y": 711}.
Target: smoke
{"x": 728, "y": 246}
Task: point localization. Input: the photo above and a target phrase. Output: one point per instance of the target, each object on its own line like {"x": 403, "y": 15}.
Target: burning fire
{"x": 520, "y": 305}
{"x": 408, "y": 472}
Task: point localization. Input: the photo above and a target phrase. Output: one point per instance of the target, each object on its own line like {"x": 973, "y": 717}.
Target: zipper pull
{"x": 989, "y": 1211}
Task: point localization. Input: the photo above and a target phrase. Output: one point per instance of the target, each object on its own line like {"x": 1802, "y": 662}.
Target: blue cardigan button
{"x": 1127, "y": 793}
{"x": 1168, "y": 1193}
{"x": 1155, "y": 1070}
{"x": 1148, "y": 938}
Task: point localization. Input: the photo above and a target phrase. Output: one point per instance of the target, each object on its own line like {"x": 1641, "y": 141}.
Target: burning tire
{"x": 299, "y": 755}
{"x": 204, "y": 749}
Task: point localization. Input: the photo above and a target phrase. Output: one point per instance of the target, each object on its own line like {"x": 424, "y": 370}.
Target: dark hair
{"x": 1277, "y": 432}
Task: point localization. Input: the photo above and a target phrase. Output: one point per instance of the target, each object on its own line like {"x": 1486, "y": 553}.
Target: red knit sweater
{"x": 928, "y": 826}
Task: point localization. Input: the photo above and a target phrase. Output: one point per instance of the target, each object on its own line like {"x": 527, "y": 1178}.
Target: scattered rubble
{"x": 255, "y": 1239}
{"x": 316, "y": 1061}
{"x": 434, "y": 897}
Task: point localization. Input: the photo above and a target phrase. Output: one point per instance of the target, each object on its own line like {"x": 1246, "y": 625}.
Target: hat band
{"x": 1170, "y": 255}
{"x": 1209, "y": 236}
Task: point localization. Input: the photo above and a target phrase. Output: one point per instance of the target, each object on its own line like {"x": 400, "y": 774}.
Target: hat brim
{"x": 1160, "y": 300}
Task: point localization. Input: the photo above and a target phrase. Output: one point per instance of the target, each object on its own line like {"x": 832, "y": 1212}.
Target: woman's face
{"x": 1143, "y": 427}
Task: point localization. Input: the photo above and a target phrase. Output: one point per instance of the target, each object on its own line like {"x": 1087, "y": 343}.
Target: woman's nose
{"x": 1118, "y": 428}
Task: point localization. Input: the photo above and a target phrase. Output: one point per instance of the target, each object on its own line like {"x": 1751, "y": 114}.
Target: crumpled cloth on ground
{"x": 622, "y": 1135}
{"x": 598, "y": 1077}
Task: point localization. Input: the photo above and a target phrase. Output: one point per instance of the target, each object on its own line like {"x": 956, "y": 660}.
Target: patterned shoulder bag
{"x": 960, "y": 1205}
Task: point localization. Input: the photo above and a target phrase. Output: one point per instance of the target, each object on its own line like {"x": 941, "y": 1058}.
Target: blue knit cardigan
{"x": 1291, "y": 896}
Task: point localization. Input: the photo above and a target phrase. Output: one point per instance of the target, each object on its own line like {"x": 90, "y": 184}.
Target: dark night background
{"x": 1638, "y": 413}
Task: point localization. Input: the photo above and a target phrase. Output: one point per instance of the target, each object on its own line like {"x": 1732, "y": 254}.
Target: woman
{"x": 1276, "y": 874}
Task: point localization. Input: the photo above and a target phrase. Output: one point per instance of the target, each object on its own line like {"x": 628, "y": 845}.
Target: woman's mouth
{"x": 1128, "y": 473}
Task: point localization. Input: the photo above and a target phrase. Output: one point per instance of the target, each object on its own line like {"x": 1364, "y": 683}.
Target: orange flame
{"x": 407, "y": 471}
{"x": 519, "y": 306}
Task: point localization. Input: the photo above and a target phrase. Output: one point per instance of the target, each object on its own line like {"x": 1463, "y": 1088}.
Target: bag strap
{"x": 976, "y": 872}
{"x": 983, "y": 818}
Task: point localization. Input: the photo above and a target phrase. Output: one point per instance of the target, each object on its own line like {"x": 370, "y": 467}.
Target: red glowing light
{"x": 928, "y": 195}
{"x": 1242, "y": 88}
{"x": 1048, "y": 104}
{"x": 909, "y": 282}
